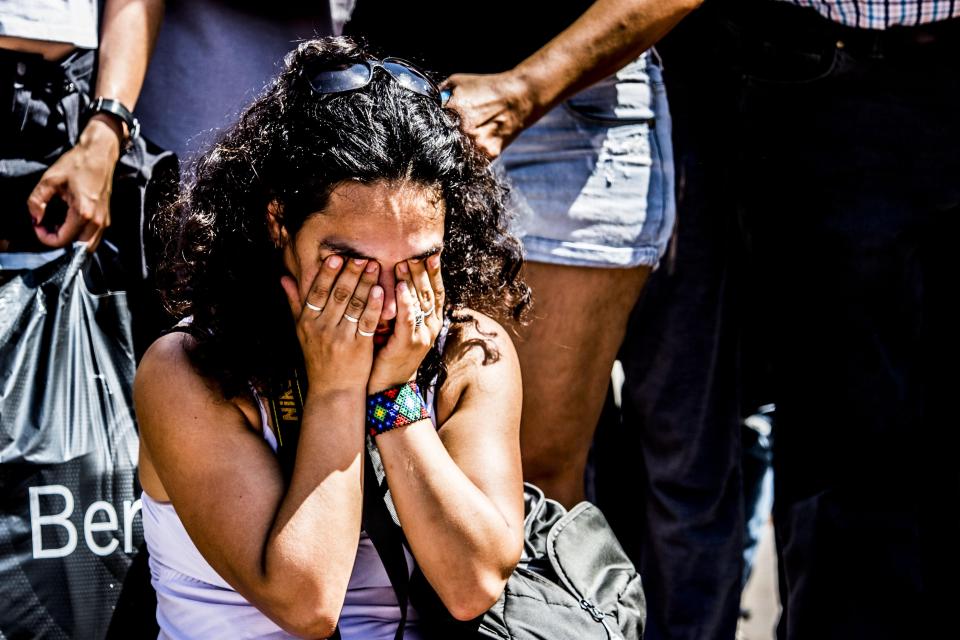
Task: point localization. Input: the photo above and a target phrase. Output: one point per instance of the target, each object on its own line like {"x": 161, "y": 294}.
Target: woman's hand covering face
{"x": 336, "y": 321}
{"x": 419, "y": 291}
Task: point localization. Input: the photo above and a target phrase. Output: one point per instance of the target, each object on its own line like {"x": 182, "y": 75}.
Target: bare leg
{"x": 566, "y": 352}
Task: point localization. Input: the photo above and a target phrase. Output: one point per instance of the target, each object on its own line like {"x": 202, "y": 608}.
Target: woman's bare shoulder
{"x": 168, "y": 383}
{"x": 480, "y": 359}
{"x": 166, "y": 367}
{"x": 476, "y": 339}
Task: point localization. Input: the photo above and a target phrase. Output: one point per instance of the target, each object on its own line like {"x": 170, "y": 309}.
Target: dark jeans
{"x": 849, "y": 192}
{"x": 41, "y": 117}
{"x": 818, "y": 195}
{"x": 670, "y": 481}
{"x": 41, "y": 103}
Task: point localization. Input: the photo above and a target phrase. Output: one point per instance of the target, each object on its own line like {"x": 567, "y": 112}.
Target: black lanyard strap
{"x": 380, "y": 520}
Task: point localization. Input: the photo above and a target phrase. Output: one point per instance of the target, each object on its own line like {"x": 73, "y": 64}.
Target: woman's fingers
{"x": 404, "y": 326}
{"x": 410, "y": 273}
{"x": 358, "y": 302}
{"x": 421, "y": 283}
{"x": 289, "y": 285}
{"x": 342, "y": 292}
{"x": 436, "y": 283}
{"x": 319, "y": 291}
{"x": 370, "y": 317}
{"x": 428, "y": 289}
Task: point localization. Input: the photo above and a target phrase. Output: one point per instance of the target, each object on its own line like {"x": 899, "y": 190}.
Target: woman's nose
{"x": 389, "y": 282}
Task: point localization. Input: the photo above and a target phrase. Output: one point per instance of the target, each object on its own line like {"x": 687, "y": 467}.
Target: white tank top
{"x": 194, "y": 602}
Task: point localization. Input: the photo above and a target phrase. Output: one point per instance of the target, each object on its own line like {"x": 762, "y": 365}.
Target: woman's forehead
{"x": 383, "y": 221}
{"x": 400, "y": 203}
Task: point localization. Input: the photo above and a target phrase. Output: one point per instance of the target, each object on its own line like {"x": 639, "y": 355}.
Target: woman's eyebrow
{"x": 429, "y": 252}
{"x": 344, "y": 250}
{"x": 347, "y": 251}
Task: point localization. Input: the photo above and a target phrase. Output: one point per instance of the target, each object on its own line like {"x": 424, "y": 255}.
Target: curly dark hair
{"x": 293, "y": 147}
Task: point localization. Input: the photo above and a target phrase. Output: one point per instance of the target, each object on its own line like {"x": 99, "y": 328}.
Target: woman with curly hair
{"x": 347, "y": 229}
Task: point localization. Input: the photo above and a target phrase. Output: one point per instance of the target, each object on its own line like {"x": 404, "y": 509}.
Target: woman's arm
{"x": 609, "y": 34}
{"x": 83, "y": 176}
{"x": 459, "y": 490}
{"x": 289, "y": 552}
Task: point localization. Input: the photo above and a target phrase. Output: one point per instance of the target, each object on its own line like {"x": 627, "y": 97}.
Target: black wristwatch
{"x": 116, "y": 109}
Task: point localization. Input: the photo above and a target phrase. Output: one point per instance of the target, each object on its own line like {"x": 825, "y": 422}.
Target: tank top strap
{"x": 268, "y": 433}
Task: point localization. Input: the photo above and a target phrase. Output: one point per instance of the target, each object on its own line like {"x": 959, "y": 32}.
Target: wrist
{"x": 377, "y": 385}
{"x": 103, "y": 133}
{"x": 124, "y": 124}
{"x": 395, "y": 407}
{"x": 333, "y": 396}
{"x": 534, "y": 93}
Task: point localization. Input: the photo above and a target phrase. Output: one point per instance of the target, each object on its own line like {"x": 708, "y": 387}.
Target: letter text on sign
{"x": 130, "y": 510}
{"x": 59, "y": 519}
{"x": 90, "y": 527}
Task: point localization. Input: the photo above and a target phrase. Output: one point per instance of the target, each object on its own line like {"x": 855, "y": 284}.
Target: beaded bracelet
{"x": 395, "y": 407}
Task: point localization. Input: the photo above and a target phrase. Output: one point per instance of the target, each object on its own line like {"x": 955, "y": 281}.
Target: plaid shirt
{"x": 881, "y": 14}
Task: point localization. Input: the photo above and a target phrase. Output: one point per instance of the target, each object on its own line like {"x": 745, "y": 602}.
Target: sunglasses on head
{"x": 356, "y": 75}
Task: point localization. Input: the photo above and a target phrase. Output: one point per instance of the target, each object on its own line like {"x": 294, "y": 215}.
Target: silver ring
{"x": 365, "y": 334}
{"x": 418, "y": 320}
{"x": 427, "y": 312}
{"x": 350, "y": 318}
{"x": 314, "y": 307}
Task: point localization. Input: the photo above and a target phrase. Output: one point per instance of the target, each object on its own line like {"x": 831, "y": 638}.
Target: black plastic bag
{"x": 69, "y": 522}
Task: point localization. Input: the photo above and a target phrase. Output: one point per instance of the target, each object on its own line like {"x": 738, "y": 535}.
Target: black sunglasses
{"x": 353, "y": 76}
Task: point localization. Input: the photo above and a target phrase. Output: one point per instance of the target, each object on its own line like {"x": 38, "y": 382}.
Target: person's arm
{"x": 289, "y": 551}
{"x": 459, "y": 491}
{"x": 83, "y": 176}
{"x": 611, "y": 33}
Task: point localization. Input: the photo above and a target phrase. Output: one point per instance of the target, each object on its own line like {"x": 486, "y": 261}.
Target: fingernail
{"x": 433, "y": 261}
{"x": 415, "y": 260}
{"x": 403, "y": 268}
{"x": 371, "y": 267}
{"x": 402, "y": 287}
{"x": 376, "y": 292}
{"x": 359, "y": 261}
{"x": 334, "y": 262}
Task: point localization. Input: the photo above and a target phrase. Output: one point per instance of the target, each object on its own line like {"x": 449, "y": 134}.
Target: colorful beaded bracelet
{"x": 395, "y": 407}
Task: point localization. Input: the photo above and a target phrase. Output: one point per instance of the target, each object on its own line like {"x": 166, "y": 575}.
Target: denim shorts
{"x": 592, "y": 181}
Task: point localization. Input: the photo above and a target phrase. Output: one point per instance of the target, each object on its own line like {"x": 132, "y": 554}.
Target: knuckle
{"x": 356, "y": 304}
{"x": 341, "y": 294}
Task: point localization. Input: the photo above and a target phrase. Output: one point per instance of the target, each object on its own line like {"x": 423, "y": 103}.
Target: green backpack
{"x": 573, "y": 581}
